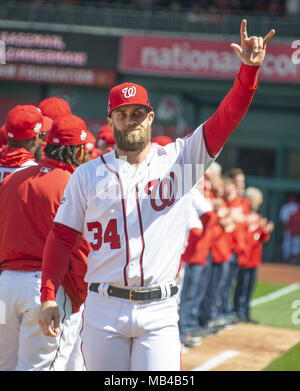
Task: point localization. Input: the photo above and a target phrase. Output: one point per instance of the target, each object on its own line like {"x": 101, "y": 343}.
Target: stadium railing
{"x": 148, "y": 20}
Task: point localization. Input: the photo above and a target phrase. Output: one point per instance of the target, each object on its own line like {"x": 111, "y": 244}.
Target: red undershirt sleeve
{"x": 232, "y": 109}
{"x": 57, "y": 252}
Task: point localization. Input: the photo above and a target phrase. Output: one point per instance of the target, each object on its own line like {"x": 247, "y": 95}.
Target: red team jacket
{"x": 12, "y": 159}
{"x": 32, "y": 197}
{"x": 252, "y": 254}
{"x": 199, "y": 241}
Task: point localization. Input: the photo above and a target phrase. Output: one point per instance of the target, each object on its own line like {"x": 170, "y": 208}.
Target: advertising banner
{"x": 53, "y": 57}
{"x": 203, "y": 58}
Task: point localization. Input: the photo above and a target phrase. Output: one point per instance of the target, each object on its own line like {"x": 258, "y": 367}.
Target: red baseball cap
{"x": 108, "y": 137}
{"x": 47, "y": 123}
{"x": 90, "y": 141}
{"x": 105, "y": 128}
{"x": 3, "y": 136}
{"x": 162, "y": 140}
{"x": 127, "y": 94}
{"x": 53, "y": 107}
{"x": 68, "y": 130}
{"x": 24, "y": 122}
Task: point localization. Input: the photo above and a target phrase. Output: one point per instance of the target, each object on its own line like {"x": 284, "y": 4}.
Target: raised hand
{"x": 253, "y": 49}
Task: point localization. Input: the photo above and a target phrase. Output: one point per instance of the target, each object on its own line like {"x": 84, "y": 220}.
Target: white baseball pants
{"x": 120, "y": 335}
{"x": 22, "y": 344}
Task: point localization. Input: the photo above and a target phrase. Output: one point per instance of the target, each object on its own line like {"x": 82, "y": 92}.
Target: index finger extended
{"x": 267, "y": 38}
{"x": 243, "y": 30}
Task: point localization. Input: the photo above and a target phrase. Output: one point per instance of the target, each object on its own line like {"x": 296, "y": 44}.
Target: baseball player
{"x": 28, "y": 203}
{"x": 128, "y": 205}
{"x": 25, "y": 128}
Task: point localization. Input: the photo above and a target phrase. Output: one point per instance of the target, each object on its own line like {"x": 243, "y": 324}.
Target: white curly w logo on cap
{"x": 83, "y": 135}
{"x": 129, "y": 92}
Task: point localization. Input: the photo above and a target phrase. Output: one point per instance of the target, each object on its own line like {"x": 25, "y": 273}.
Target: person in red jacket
{"x": 221, "y": 251}
{"x": 194, "y": 262}
{"x": 24, "y": 128}
{"x": 29, "y": 200}
{"x": 258, "y": 232}
{"x": 237, "y": 211}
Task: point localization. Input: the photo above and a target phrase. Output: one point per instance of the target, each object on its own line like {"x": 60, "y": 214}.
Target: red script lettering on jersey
{"x": 167, "y": 190}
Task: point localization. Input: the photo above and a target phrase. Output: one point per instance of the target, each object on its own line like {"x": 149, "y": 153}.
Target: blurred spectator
{"x": 294, "y": 228}
{"x": 292, "y": 7}
{"x": 3, "y": 136}
{"x": 211, "y": 7}
{"x": 105, "y": 139}
{"x": 258, "y": 232}
{"x": 88, "y": 147}
{"x": 194, "y": 262}
{"x": 287, "y": 209}
{"x": 162, "y": 140}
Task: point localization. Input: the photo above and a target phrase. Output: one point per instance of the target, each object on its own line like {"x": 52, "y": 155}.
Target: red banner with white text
{"x": 203, "y": 58}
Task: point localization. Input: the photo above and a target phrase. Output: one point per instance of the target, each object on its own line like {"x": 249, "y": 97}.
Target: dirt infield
{"x": 278, "y": 273}
{"x": 254, "y": 346}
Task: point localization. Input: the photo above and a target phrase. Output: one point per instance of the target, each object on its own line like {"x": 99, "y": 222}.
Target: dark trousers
{"x": 225, "y": 306}
{"x": 246, "y": 280}
{"x": 190, "y": 298}
{"x": 209, "y": 308}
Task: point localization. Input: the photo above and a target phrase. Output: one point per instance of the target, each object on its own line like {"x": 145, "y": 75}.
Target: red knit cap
{"x": 162, "y": 140}
{"x": 24, "y": 122}
{"x": 127, "y": 94}
{"x": 68, "y": 130}
{"x": 53, "y": 107}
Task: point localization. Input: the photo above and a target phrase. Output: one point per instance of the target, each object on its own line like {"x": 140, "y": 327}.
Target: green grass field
{"x": 278, "y": 312}
{"x": 283, "y": 312}
{"x": 288, "y": 361}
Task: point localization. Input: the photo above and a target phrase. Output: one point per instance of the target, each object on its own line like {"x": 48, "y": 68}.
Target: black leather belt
{"x": 138, "y": 294}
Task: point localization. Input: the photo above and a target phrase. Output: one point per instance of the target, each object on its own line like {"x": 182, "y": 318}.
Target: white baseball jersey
{"x": 4, "y": 171}
{"x": 134, "y": 220}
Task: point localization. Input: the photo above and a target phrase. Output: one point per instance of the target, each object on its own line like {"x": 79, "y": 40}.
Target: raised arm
{"x": 234, "y": 106}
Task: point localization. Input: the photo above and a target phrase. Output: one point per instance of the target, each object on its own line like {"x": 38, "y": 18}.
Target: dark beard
{"x": 126, "y": 141}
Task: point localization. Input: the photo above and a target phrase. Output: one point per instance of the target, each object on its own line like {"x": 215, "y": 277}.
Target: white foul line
{"x": 217, "y": 360}
{"x": 274, "y": 295}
